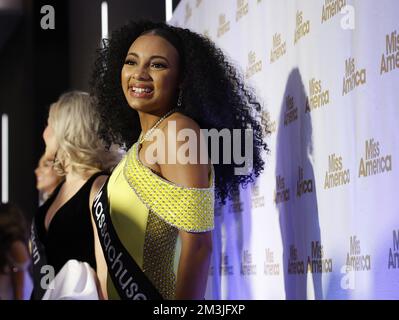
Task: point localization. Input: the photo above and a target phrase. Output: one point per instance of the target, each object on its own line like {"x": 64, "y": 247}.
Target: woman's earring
{"x": 180, "y": 98}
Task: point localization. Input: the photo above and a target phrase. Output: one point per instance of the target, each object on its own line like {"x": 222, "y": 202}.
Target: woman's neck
{"x": 148, "y": 120}
{"x": 72, "y": 177}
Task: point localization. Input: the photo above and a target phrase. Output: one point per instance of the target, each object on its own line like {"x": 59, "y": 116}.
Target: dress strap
{"x": 188, "y": 209}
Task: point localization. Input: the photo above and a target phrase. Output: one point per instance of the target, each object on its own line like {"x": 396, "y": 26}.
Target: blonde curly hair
{"x": 75, "y": 121}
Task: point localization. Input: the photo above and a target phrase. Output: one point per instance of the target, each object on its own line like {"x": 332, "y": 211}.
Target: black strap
{"x": 128, "y": 279}
{"x": 39, "y": 261}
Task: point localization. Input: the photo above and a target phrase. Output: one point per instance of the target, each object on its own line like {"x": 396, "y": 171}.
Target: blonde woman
{"x": 63, "y": 229}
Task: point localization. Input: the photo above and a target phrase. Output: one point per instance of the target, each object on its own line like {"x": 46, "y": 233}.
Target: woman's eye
{"x": 130, "y": 62}
{"x": 158, "y": 65}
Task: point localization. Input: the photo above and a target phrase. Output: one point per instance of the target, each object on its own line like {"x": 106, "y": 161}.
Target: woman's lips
{"x": 141, "y": 91}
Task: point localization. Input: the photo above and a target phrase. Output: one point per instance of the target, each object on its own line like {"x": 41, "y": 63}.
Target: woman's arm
{"x": 192, "y": 273}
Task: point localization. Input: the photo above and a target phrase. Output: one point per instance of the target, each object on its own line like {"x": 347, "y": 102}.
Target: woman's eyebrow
{"x": 152, "y": 57}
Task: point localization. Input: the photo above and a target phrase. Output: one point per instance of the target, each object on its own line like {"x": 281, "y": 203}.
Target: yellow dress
{"x": 147, "y": 213}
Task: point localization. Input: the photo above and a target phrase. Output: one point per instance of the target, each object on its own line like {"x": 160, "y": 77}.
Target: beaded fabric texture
{"x": 187, "y": 209}
{"x": 159, "y": 253}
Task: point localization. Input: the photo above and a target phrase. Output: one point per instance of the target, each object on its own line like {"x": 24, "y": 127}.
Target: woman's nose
{"x": 141, "y": 74}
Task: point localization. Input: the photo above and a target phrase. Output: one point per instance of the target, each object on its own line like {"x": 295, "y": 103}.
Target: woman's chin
{"x": 139, "y": 107}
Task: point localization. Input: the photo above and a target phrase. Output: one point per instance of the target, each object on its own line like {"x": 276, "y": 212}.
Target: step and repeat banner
{"x": 322, "y": 222}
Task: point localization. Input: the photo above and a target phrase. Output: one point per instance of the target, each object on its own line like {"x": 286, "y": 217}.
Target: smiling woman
{"x": 154, "y": 76}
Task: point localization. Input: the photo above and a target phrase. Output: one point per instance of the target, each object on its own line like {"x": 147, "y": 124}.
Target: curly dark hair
{"x": 13, "y": 227}
{"x": 213, "y": 94}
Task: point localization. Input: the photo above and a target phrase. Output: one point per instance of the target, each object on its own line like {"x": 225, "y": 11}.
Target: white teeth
{"x": 141, "y": 90}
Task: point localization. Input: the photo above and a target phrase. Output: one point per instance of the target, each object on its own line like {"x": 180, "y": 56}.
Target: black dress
{"x": 70, "y": 233}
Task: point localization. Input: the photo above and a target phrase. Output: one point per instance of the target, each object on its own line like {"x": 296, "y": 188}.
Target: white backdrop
{"x": 323, "y": 220}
